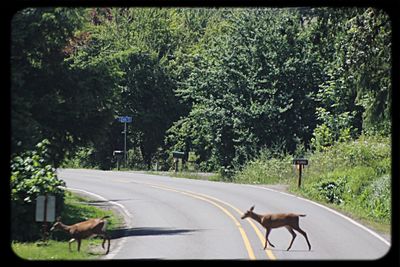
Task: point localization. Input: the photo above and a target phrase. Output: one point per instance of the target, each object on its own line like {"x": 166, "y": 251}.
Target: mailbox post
{"x": 118, "y": 154}
{"x": 300, "y": 165}
{"x": 178, "y": 155}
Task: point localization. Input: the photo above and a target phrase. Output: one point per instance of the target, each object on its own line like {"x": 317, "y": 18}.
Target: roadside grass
{"x": 353, "y": 178}
{"x": 358, "y": 214}
{"x": 77, "y": 208}
{"x": 57, "y": 250}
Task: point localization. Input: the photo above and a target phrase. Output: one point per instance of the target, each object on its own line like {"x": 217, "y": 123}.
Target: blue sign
{"x": 125, "y": 119}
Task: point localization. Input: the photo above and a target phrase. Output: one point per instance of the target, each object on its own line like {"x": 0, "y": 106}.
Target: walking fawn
{"x": 83, "y": 230}
{"x": 269, "y": 221}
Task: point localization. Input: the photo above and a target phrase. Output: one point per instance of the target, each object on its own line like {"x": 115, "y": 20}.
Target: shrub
{"x": 267, "y": 170}
{"x": 82, "y": 158}
{"x": 366, "y": 151}
{"x": 31, "y": 176}
{"x": 333, "y": 191}
{"x": 376, "y": 198}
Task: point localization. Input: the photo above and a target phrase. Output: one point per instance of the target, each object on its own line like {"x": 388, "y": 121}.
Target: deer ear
{"x": 252, "y": 208}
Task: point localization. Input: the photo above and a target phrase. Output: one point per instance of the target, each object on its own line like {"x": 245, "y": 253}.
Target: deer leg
{"x": 269, "y": 240}
{"x": 104, "y": 241}
{"x": 305, "y": 236}
{"x": 106, "y": 238}
{"x": 79, "y": 244}
{"x": 69, "y": 243}
{"x": 108, "y": 247}
{"x": 293, "y": 236}
{"x": 266, "y": 238}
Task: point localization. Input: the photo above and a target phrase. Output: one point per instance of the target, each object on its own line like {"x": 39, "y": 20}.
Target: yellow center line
{"x": 245, "y": 239}
{"x": 237, "y": 223}
{"x": 255, "y": 228}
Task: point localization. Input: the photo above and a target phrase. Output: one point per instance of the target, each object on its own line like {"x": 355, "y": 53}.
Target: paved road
{"x": 176, "y": 218}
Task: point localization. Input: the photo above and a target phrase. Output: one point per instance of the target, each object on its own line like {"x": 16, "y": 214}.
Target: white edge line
{"x": 127, "y": 213}
{"x": 331, "y": 210}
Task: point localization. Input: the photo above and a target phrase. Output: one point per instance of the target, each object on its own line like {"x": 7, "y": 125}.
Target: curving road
{"x": 175, "y": 218}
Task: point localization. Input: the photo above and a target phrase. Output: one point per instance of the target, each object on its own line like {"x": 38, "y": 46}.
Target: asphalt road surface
{"x": 176, "y": 218}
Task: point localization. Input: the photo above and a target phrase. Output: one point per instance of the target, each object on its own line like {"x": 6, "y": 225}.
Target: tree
{"x": 369, "y": 60}
{"x": 148, "y": 96}
{"x": 354, "y": 96}
{"x": 248, "y": 79}
{"x": 49, "y": 98}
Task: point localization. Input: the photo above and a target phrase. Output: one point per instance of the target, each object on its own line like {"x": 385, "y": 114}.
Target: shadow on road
{"x": 106, "y": 201}
{"x": 148, "y": 231}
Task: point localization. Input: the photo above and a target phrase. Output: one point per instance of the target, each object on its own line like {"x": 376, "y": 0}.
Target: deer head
{"x": 248, "y": 213}
{"x": 56, "y": 225}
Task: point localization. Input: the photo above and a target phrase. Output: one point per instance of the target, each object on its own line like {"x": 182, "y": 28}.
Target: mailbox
{"x": 118, "y": 153}
{"x": 178, "y": 154}
{"x": 300, "y": 162}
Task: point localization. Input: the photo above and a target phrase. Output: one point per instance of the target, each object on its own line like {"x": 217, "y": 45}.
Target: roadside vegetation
{"x": 353, "y": 177}
{"x": 32, "y": 175}
{"x": 77, "y": 208}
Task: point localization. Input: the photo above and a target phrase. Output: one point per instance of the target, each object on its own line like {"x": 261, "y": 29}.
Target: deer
{"x": 85, "y": 229}
{"x": 269, "y": 221}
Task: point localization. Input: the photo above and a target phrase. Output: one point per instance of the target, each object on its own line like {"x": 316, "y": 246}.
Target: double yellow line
{"x": 214, "y": 201}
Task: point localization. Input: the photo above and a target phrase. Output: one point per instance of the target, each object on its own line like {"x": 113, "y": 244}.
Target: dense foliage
{"x": 31, "y": 176}
{"x": 222, "y": 83}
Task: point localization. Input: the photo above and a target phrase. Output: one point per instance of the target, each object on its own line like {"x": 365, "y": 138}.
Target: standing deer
{"x": 269, "y": 221}
{"x": 83, "y": 230}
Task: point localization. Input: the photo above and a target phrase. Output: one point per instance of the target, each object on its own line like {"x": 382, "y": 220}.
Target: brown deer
{"x": 83, "y": 230}
{"x": 269, "y": 221}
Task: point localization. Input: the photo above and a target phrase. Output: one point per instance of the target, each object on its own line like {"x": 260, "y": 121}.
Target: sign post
{"x": 300, "y": 165}
{"x": 125, "y": 120}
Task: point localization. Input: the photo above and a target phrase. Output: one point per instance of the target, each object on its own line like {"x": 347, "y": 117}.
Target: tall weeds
{"x": 354, "y": 176}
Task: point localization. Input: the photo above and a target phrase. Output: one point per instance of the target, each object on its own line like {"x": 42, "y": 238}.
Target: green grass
{"x": 351, "y": 177}
{"x": 57, "y": 250}
{"x": 76, "y": 209}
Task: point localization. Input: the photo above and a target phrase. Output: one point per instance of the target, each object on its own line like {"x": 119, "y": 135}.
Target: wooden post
{"x": 176, "y": 164}
{"x": 299, "y": 163}
{"x": 300, "y": 169}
